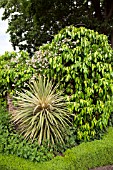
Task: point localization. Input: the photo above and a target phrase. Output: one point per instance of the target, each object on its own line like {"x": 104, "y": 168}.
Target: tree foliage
{"x": 34, "y": 22}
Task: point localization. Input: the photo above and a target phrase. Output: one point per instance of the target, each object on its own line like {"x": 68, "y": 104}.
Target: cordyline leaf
{"x": 41, "y": 112}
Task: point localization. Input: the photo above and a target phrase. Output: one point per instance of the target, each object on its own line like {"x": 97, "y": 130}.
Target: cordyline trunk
{"x": 10, "y": 106}
{"x": 11, "y": 109}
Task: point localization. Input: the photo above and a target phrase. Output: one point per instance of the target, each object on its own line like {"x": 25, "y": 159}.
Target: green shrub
{"x": 92, "y": 154}
{"x": 83, "y": 157}
{"x": 11, "y": 162}
{"x": 41, "y": 112}
{"x": 17, "y": 68}
{"x": 81, "y": 61}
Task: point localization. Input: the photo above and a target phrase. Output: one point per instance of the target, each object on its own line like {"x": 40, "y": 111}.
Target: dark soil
{"x": 109, "y": 167}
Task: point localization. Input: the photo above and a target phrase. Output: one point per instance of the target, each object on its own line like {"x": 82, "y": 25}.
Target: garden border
{"x": 83, "y": 157}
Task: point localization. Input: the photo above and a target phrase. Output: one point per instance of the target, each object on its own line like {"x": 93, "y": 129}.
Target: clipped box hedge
{"x": 85, "y": 156}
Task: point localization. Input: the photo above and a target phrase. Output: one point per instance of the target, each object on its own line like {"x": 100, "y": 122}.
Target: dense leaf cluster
{"x": 81, "y": 61}
{"x": 16, "y": 69}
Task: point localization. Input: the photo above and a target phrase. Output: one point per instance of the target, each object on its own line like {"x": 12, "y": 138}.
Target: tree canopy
{"x": 34, "y": 22}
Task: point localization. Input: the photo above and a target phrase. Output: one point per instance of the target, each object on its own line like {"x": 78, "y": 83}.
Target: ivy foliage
{"x": 81, "y": 61}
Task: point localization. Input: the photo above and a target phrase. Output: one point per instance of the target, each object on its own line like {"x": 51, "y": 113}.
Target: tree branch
{"x": 97, "y": 8}
{"x": 108, "y": 8}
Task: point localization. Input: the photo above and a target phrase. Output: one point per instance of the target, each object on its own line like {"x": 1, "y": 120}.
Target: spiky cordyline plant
{"x": 41, "y": 112}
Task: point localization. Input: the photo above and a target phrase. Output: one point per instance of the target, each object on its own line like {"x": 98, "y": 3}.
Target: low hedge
{"x": 85, "y": 156}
